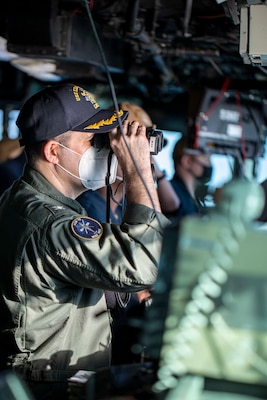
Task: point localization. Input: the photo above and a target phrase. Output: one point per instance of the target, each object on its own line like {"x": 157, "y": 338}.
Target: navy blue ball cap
{"x": 61, "y": 108}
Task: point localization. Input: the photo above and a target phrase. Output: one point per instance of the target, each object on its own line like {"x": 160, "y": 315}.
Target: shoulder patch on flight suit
{"x": 86, "y": 228}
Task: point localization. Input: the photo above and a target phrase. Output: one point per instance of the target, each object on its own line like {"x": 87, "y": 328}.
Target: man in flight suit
{"x": 55, "y": 260}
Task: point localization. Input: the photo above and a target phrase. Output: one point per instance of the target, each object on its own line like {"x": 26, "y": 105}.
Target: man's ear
{"x": 185, "y": 161}
{"x": 51, "y": 151}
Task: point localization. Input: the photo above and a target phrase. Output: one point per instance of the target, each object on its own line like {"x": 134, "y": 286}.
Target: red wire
{"x": 218, "y": 98}
{"x": 210, "y": 109}
{"x": 91, "y": 6}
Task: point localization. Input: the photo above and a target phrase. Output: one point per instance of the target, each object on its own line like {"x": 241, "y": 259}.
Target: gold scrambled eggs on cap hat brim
{"x": 106, "y": 123}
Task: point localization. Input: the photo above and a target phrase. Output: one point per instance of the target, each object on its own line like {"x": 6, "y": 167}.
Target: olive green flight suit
{"x": 55, "y": 263}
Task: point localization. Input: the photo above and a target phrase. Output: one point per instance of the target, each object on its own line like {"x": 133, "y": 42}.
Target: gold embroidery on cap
{"x": 78, "y": 91}
{"x": 104, "y": 122}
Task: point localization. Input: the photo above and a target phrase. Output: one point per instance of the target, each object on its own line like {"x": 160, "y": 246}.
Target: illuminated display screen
{"x": 13, "y": 130}
{"x": 1, "y": 123}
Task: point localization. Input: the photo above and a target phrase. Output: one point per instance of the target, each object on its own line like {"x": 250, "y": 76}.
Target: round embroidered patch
{"x": 86, "y": 228}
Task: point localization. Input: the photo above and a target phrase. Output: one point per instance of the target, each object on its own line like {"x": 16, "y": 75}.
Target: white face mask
{"x": 93, "y": 167}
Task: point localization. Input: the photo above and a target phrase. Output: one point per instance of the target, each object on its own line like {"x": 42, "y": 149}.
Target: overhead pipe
{"x": 136, "y": 32}
{"x": 187, "y": 17}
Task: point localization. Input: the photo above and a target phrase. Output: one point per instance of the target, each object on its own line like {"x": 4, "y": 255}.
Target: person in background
{"x": 192, "y": 168}
{"x": 12, "y": 161}
{"x": 107, "y": 204}
{"x": 56, "y": 261}
{"x": 96, "y": 201}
